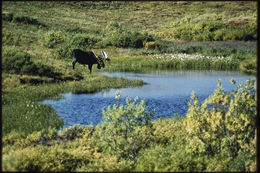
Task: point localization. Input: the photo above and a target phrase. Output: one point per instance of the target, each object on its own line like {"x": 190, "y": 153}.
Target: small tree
{"x": 126, "y": 129}
{"x": 224, "y": 125}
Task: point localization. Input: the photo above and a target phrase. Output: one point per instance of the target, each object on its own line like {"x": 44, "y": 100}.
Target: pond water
{"x": 166, "y": 93}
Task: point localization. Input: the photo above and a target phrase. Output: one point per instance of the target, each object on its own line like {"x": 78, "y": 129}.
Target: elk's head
{"x": 100, "y": 62}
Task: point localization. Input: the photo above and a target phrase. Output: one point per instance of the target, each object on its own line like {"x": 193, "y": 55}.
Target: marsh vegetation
{"x": 37, "y": 42}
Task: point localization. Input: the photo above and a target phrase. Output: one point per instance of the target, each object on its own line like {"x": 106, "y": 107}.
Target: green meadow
{"x": 218, "y": 134}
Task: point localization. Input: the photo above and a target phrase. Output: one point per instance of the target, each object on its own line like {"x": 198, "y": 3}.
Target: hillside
{"x": 50, "y": 30}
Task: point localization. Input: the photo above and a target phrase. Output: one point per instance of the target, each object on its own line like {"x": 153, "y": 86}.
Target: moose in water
{"x": 88, "y": 58}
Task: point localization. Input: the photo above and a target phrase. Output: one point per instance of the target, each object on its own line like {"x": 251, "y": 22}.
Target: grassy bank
{"x": 22, "y": 112}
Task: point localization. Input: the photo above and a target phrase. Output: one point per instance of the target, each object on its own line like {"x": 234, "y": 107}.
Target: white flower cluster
{"x": 184, "y": 56}
{"x": 31, "y": 104}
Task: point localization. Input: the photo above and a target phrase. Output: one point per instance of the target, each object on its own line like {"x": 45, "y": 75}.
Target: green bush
{"x": 19, "y": 62}
{"x": 167, "y": 159}
{"x": 53, "y": 38}
{"x": 82, "y": 41}
{"x": 127, "y": 39}
{"x": 7, "y": 16}
{"x": 224, "y": 125}
{"x": 125, "y": 130}
{"x": 20, "y": 19}
{"x": 46, "y": 159}
{"x": 212, "y": 30}
{"x": 249, "y": 66}
{"x": 25, "y": 20}
{"x": 113, "y": 28}
{"x": 70, "y": 133}
{"x": 152, "y": 45}
{"x": 77, "y": 41}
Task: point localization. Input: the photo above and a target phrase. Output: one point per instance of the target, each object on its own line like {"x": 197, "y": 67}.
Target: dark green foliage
{"x": 20, "y": 19}
{"x": 128, "y": 39}
{"x": 20, "y": 62}
{"x": 249, "y": 66}
{"x": 77, "y": 41}
{"x": 75, "y": 30}
{"x": 7, "y": 16}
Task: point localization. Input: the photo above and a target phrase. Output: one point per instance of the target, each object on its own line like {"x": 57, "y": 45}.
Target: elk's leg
{"x": 73, "y": 63}
{"x": 90, "y": 67}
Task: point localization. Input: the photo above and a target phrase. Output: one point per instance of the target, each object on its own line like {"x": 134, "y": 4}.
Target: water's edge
{"x": 165, "y": 93}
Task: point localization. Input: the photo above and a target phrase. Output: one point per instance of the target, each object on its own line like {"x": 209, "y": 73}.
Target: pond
{"x": 166, "y": 93}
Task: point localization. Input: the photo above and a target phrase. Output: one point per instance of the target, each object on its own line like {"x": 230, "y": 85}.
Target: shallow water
{"x": 166, "y": 93}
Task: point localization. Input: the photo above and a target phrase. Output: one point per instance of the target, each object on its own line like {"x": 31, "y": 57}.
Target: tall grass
{"x": 164, "y": 61}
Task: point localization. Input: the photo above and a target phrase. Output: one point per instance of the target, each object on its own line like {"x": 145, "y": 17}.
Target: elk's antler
{"x": 95, "y": 55}
{"x": 105, "y": 55}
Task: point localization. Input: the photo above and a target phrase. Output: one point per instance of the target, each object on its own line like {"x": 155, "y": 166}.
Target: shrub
{"x": 82, "y": 40}
{"x": 72, "y": 132}
{"x": 53, "y": 38}
{"x": 21, "y": 19}
{"x": 152, "y": 45}
{"x": 125, "y": 129}
{"x": 25, "y": 20}
{"x": 167, "y": 159}
{"x": 19, "y": 62}
{"x": 212, "y": 30}
{"x": 249, "y": 66}
{"x": 224, "y": 124}
{"x": 77, "y": 41}
{"x": 7, "y": 16}
{"x": 113, "y": 28}
{"x": 12, "y": 138}
{"x": 45, "y": 159}
{"x": 127, "y": 39}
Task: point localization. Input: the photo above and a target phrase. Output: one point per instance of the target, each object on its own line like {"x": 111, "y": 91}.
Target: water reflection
{"x": 166, "y": 93}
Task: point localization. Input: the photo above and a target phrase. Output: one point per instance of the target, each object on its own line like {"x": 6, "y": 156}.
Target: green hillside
{"x": 37, "y": 42}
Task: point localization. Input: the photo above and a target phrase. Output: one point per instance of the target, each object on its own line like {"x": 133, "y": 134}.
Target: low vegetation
{"x": 218, "y": 134}
{"x": 37, "y": 41}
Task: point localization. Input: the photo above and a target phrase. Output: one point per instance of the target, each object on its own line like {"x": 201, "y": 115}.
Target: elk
{"x": 88, "y": 58}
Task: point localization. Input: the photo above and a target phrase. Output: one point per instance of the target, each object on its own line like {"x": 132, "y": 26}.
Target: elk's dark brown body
{"x": 88, "y": 58}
